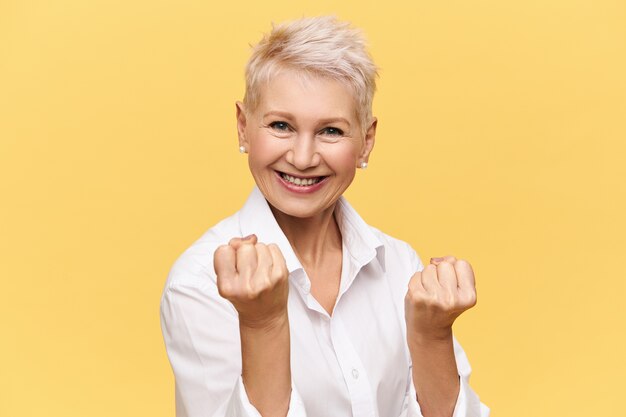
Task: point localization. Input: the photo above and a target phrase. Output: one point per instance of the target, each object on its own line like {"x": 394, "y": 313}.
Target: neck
{"x": 310, "y": 237}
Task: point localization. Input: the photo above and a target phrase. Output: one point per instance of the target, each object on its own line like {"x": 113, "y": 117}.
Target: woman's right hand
{"x": 255, "y": 279}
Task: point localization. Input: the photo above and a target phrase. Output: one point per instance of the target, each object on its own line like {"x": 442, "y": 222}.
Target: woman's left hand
{"x": 437, "y": 296}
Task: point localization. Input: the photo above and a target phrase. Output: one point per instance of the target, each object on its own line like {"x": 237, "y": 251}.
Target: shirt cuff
{"x": 240, "y": 406}
{"x": 467, "y": 403}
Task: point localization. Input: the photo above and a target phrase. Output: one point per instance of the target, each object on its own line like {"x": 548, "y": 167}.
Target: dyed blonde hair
{"x": 320, "y": 46}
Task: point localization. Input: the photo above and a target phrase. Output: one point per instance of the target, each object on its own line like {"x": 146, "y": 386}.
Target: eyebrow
{"x": 288, "y": 115}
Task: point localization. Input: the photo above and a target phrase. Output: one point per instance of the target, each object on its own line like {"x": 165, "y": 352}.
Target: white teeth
{"x": 300, "y": 181}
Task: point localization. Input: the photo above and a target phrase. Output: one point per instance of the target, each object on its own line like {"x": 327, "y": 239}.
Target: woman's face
{"x": 304, "y": 142}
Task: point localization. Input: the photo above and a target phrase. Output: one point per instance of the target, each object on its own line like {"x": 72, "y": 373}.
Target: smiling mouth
{"x": 298, "y": 181}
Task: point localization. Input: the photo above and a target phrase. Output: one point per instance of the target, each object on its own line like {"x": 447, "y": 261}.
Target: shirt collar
{"x": 358, "y": 239}
{"x": 257, "y": 218}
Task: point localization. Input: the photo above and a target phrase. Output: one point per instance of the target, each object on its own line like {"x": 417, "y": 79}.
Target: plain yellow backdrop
{"x": 501, "y": 140}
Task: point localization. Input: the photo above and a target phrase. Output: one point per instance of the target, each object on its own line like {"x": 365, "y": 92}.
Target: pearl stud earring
{"x": 242, "y": 149}
{"x": 363, "y": 165}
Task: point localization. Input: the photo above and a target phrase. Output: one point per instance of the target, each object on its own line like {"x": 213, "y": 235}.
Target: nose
{"x": 303, "y": 153}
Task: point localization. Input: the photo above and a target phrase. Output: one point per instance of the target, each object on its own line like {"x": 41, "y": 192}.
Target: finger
{"x": 279, "y": 266}
{"x": 465, "y": 275}
{"x": 236, "y": 242}
{"x": 246, "y": 261}
{"x": 429, "y": 278}
{"x": 437, "y": 261}
{"x": 415, "y": 283}
{"x": 467, "y": 283}
{"x": 224, "y": 259}
{"x": 265, "y": 262}
{"x": 446, "y": 274}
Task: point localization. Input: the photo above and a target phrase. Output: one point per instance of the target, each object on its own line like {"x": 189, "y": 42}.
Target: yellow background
{"x": 501, "y": 140}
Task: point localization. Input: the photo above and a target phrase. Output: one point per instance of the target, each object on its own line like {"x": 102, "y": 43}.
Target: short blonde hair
{"x": 321, "y": 46}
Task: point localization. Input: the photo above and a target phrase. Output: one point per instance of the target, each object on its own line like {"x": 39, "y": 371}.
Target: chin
{"x": 301, "y": 211}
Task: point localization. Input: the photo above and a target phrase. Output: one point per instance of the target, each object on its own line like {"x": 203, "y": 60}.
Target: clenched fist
{"x": 254, "y": 278}
{"x": 437, "y": 296}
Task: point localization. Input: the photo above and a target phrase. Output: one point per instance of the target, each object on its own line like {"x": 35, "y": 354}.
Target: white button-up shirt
{"x": 353, "y": 363}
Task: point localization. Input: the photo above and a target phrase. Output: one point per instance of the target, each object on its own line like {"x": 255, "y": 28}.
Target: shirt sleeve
{"x": 201, "y": 333}
{"x": 467, "y": 403}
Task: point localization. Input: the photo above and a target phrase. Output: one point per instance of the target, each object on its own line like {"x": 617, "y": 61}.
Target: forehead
{"x": 307, "y": 96}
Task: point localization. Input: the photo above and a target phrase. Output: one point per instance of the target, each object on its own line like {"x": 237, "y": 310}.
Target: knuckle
{"x": 472, "y": 299}
{"x": 276, "y": 274}
{"x": 448, "y": 265}
{"x": 262, "y": 276}
{"x": 282, "y": 266}
{"x": 280, "y": 274}
{"x": 427, "y": 299}
{"x": 264, "y": 283}
{"x": 411, "y": 294}
{"x": 452, "y": 302}
{"x": 444, "y": 302}
{"x": 246, "y": 248}
{"x": 438, "y": 303}
{"x": 277, "y": 250}
{"x": 416, "y": 299}
{"x": 433, "y": 303}
{"x": 220, "y": 251}
{"x": 253, "y": 292}
{"x": 462, "y": 262}
{"x": 467, "y": 300}
{"x": 415, "y": 291}
{"x": 224, "y": 288}
{"x": 251, "y": 295}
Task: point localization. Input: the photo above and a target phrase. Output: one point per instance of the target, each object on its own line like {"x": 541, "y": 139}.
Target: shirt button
{"x": 355, "y": 373}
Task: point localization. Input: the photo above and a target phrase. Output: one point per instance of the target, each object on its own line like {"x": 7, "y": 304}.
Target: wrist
{"x": 265, "y": 324}
{"x": 430, "y": 336}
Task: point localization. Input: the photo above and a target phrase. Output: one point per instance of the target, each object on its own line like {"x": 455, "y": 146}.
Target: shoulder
{"x": 194, "y": 267}
{"x": 398, "y": 252}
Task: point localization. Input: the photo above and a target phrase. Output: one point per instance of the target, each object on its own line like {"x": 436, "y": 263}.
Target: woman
{"x": 294, "y": 306}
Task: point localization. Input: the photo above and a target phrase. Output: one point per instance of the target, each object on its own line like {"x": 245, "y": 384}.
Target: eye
{"x": 280, "y": 126}
{"x": 332, "y": 131}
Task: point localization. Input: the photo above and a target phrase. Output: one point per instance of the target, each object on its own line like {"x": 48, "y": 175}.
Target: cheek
{"x": 344, "y": 158}
{"x": 347, "y": 162}
{"x": 263, "y": 150}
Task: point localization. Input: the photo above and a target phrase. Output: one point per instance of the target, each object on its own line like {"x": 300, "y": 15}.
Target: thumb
{"x": 236, "y": 242}
{"x": 436, "y": 261}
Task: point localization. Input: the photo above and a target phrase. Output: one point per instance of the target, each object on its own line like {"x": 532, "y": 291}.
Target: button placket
{"x": 353, "y": 372}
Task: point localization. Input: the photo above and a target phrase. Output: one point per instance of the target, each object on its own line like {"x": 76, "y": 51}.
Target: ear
{"x": 241, "y": 124}
{"x": 368, "y": 144}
